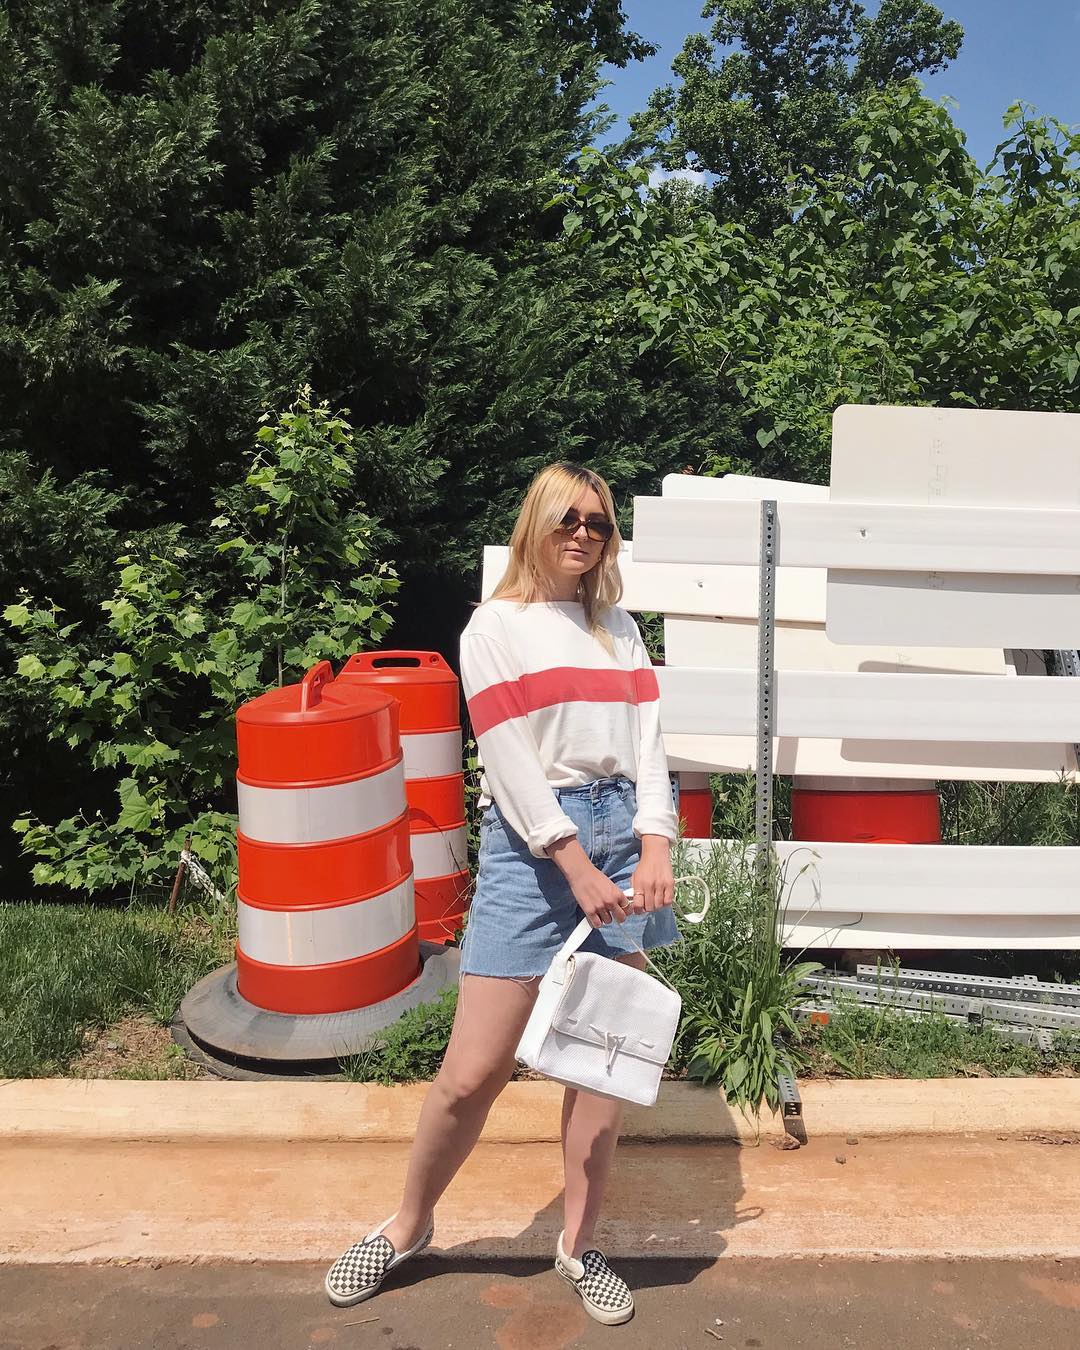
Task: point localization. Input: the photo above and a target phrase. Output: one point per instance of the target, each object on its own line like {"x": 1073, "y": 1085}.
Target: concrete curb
{"x": 527, "y": 1112}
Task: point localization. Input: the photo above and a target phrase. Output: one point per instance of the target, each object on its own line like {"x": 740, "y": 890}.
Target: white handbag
{"x": 601, "y": 1025}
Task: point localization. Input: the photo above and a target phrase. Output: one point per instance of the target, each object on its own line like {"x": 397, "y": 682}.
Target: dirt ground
{"x": 134, "y": 1047}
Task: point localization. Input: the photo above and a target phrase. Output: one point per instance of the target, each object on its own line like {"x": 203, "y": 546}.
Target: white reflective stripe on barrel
{"x": 314, "y": 815}
{"x": 315, "y": 937}
{"x": 439, "y": 853}
{"x": 431, "y": 754}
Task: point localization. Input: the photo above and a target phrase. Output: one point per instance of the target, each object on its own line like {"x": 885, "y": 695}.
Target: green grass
{"x": 411, "y": 1050}
{"x": 68, "y": 969}
{"x": 864, "y": 1042}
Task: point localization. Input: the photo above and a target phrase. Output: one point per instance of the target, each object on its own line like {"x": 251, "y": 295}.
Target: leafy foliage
{"x": 411, "y": 1049}
{"x": 781, "y": 102}
{"x": 207, "y": 207}
{"x": 194, "y": 626}
{"x": 909, "y": 277}
{"x": 739, "y": 992}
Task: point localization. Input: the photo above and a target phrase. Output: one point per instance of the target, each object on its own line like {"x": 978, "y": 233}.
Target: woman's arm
{"x": 655, "y": 813}
{"x": 512, "y": 766}
{"x": 655, "y": 821}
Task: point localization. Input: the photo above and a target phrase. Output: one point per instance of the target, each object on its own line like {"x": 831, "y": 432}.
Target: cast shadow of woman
{"x": 669, "y": 1208}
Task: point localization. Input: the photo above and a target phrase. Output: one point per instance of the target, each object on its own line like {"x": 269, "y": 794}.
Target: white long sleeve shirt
{"x": 551, "y": 708}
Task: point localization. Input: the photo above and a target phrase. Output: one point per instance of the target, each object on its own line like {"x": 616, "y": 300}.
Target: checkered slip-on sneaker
{"x": 359, "y": 1272}
{"x": 605, "y": 1296}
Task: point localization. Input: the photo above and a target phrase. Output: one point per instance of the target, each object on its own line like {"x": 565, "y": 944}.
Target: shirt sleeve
{"x": 514, "y": 771}
{"x": 655, "y": 806}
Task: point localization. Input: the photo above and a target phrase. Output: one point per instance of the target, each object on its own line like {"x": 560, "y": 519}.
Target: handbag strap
{"x": 584, "y": 928}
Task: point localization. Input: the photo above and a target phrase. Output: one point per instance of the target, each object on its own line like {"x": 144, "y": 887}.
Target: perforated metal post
{"x": 1068, "y": 663}
{"x": 766, "y": 686}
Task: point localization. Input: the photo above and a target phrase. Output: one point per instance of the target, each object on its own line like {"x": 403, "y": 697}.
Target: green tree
{"x": 909, "y": 276}
{"x": 769, "y": 94}
{"x": 206, "y": 207}
{"x": 193, "y": 626}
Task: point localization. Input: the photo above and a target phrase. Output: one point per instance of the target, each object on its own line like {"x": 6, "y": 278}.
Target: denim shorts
{"x": 523, "y": 910}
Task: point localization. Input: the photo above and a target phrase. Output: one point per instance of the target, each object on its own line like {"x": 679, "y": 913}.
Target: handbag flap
{"x": 611, "y": 1005}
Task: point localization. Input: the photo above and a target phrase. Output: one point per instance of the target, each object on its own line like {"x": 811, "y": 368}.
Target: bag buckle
{"x": 612, "y": 1044}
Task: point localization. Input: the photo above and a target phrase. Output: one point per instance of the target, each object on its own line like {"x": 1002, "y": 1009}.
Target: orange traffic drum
{"x": 326, "y": 909}
{"x": 428, "y": 693}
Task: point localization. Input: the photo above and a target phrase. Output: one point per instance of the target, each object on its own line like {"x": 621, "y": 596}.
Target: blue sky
{"x": 1013, "y": 49}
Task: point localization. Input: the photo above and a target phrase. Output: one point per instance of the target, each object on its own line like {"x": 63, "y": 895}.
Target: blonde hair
{"x": 550, "y": 495}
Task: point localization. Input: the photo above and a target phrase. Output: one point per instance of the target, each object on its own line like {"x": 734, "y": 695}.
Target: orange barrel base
{"x": 695, "y": 805}
{"x": 906, "y": 815}
{"x": 441, "y": 904}
{"x": 337, "y": 986}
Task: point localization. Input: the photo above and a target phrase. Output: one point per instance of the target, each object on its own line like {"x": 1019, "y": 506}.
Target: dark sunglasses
{"x": 598, "y": 528}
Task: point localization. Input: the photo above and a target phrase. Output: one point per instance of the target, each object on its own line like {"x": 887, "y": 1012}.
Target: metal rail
{"x": 1015, "y": 989}
{"x": 975, "y": 1010}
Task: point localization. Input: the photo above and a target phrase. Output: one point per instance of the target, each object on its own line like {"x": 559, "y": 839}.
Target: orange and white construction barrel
{"x": 326, "y": 916}
{"x": 695, "y": 805}
{"x": 865, "y": 811}
{"x": 428, "y": 693}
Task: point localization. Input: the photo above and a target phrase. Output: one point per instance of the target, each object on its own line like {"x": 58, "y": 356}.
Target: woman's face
{"x": 571, "y": 553}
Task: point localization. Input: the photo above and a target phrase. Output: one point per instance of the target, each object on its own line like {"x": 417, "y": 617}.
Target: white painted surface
{"x": 743, "y": 487}
{"x": 933, "y": 932}
{"x": 930, "y": 879}
{"x": 800, "y": 591}
{"x": 314, "y": 815}
{"x": 933, "y": 895}
{"x": 989, "y": 761}
{"x": 431, "y": 754}
{"x": 733, "y": 643}
{"x": 661, "y": 588}
{"x": 439, "y": 853}
{"x": 867, "y": 706}
{"x": 862, "y": 535}
{"x": 942, "y": 608}
{"x": 314, "y": 937}
{"x": 954, "y": 456}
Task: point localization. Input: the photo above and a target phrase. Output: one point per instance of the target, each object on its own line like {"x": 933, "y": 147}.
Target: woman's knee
{"x": 465, "y": 1080}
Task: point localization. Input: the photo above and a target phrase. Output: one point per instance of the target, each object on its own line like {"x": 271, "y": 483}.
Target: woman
{"x": 564, "y": 705}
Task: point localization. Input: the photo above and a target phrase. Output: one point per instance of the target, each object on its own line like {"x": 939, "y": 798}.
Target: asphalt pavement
{"x": 731, "y": 1304}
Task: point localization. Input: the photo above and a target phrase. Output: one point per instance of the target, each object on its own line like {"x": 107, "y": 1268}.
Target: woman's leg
{"x": 490, "y": 1017}
{"x": 590, "y": 1131}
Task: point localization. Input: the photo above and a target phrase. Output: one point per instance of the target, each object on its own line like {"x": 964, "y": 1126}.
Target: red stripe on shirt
{"x": 562, "y": 684}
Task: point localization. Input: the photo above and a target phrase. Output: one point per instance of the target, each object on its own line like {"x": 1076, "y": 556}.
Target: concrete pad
{"x": 271, "y": 1200}
{"x": 71, "y": 1109}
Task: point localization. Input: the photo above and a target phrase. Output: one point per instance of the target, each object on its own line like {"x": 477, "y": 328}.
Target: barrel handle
{"x": 379, "y": 660}
{"x": 311, "y": 686}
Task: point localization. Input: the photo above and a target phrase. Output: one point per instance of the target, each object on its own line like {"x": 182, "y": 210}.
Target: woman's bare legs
{"x": 590, "y": 1131}
{"x": 490, "y": 1017}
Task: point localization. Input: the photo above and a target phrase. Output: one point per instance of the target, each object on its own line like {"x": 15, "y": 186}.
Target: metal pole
{"x": 1068, "y": 663}
{"x": 766, "y": 687}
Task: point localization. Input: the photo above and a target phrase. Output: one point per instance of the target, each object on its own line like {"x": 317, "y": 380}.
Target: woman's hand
{"x": 599, "y": 898}
{"x": 654, "y": 881}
